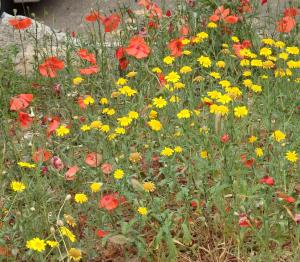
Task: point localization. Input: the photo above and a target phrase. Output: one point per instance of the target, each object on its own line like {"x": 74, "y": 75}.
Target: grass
{"x": 183, "y": 146}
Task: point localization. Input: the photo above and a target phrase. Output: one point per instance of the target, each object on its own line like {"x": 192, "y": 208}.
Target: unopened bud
{"x": 68, "y": 197}
{"x": 60, "y": 223}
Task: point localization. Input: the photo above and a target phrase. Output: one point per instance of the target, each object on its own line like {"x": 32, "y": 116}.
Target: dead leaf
{"x": 119, "y": 239}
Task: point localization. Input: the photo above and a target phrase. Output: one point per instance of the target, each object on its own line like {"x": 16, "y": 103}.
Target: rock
{"x": 36, "y": 36}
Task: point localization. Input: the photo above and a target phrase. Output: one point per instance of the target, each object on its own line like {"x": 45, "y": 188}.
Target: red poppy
{"x": 267, "y": 180}
{"x": 110, "y": 22}
{"x": 120, "y": 54}
{"x": 240, "y": 46}
{"x": 70, "y": 174}
{"x": 193, "y": 203}
{"x": 292, "y": 12}
{"x": 248, "y": 163}
{"x": 20, "y": 102}
{"x": 93, "y": 159}
{"x": 223, "y": 14}
{"x": 286, "y": 24}
{"x": 219, "y": 13}
{"x": 264, "y": 2}
{"x": 138, "y": 47}
{"x": 24, "y": 119}
{"x": 92, "y": 16}
{"x": 168, "y": 13}
{"x": 162, "y": 79}
{"x": 80, "y": 102}
{"x": 184, "y": 30}
{"x": 244, "y": 221}
{"x": 89, "y": 70}
{"x": 144, "y": 3}
{"x": 50, "y": 67}
{"x": 20, "y": 23}
{"x": 108, "y": 202}
{"x": 106, "y": 168}
{"x": 84, "y": 54}
{"x": 151, "y": 24}
{"x": 231, "y": 19}
{"x": 246, "y": 6}
{"x": 175, "y": 46}
{"x": 102, "y": 233}
{"x": 155, "y": 11}
{"x": 225, "y": 138}
{"x": 52, "y": 125}
{"x": 41, "y": 155}
{"x": 285, "y": 197}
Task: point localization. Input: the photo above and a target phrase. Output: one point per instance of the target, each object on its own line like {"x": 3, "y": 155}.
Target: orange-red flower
{"x": 219, "y": 14}
{"x": 175, "y": 46}
{"x": 89, "y": 70}
{"x": 144, "y": 3}
{"x": 109, "y": 202}
{"x": 155, "y": 11}
{"x": 106, "y": 168}
{"x": 292, "y": 12}
{"x": 285, "y": 197}
{"x": 41, "y": 155}
{"x": 184, "y": 30}
{"x": 20, "y": 102}
{"x": 137, "y": 47}
{"x": 50, "y": 67}
{"x": 268, "y": 180}
{"x": 223, "y": 14}
{"x": 92, "y": 16}
{"x": 248, "y": 163}
{"x": 231, "y": 19}
{"x": 102, "y": 233}
{"x": 245, "y": 6}
{"x": 123, "y": 61}
{"x": 244, "y": 221}
{"x": 20, "y": 23}
{"x": 110, "y": 22}
{"x": 93, "y": 159}
{"x": 70, "y": 174}
{"x": 53, "y": 124}
{"x": 240, "y": 46}
{"x": 286, "y": 24}
{"x": 24, "y": 119}
{"x": 84, "y": 54}
{"x": 80, "y": 102}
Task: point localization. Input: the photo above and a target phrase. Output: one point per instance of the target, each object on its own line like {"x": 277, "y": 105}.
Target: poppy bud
{"x": 267, "y": 180}
{"x": 57, "y": 163}
{"x": 297, "y": 218}
{"x": 225, "y": 138}
{"x": 106, "y": 168}
{"x": 102, "y": 233}
{"x": 44, "y": 169}
{"x": 56, "y": 89}
{"x": 68, "y": 197}
{"x": 60, "y": 223}
{"x": 193, "y": 204}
